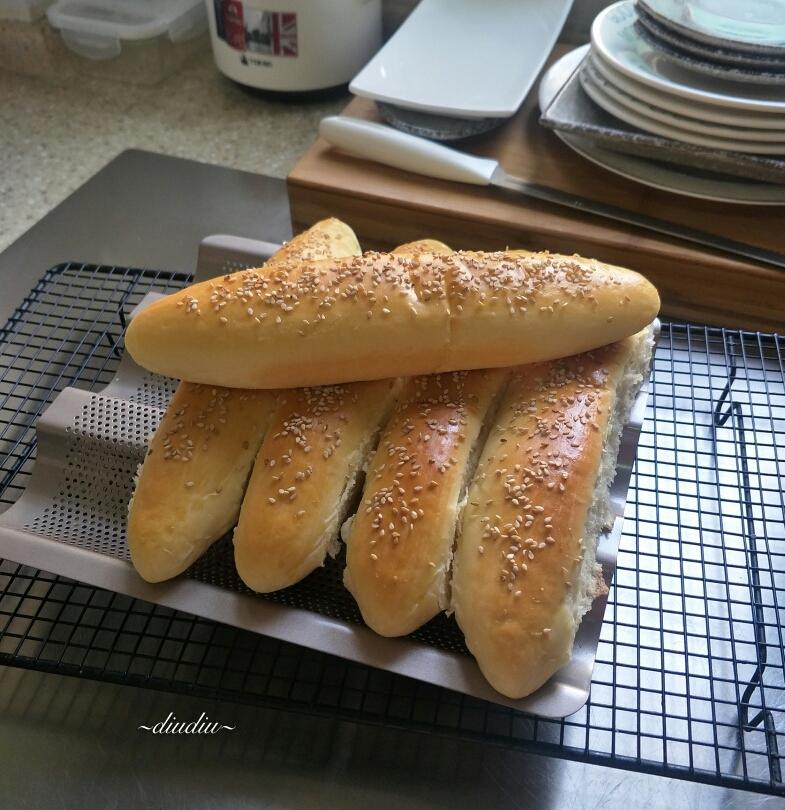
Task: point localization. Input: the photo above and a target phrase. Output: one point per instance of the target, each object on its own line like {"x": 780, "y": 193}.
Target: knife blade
{"x": 382, "y": 144}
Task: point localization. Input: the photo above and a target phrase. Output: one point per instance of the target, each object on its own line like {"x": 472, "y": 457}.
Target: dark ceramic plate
{"x": 761, "y": 29}
{"x": 707, "y": 53}
{"x": 734, "y": 73}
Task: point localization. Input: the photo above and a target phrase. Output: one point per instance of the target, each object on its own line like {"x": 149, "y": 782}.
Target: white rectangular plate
{"x": 464, "y": 58}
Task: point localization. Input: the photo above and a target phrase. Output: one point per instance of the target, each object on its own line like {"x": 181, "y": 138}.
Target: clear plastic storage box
{"x": 139, "y": 41}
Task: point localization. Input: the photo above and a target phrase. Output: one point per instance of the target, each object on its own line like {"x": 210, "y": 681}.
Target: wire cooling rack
{"x": 690, "y": 672}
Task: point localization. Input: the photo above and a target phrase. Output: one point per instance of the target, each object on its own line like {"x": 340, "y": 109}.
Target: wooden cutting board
{"x": 387, "y": 207}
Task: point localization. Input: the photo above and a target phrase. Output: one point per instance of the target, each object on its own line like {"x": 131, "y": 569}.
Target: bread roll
{"x": 328, "y": 239}
{"x": 525, "y": 568}
{"x": 307, "y": 473}
{"x": 190, "y": 487}
{"x": 305, "y": 478}
{"x": 399, "y": 544}
{"x": 191, "y": 484}
{"x": 423, "y": 246}
{"x": 382, "y": 315}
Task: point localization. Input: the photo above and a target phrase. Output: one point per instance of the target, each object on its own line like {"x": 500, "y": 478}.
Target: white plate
{"x": 615, "y": 38}
{"x": 755, "y": 25}
{"x": 649, "y": 173}
{"x": 707, "y": 112}
{"x": 674, "y": 120}
{"x": 464, "y": 58}
{"x": 648, "y": 123}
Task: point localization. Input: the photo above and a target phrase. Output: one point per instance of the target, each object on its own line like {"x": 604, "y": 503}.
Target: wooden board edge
{"x": 709, "y": 292}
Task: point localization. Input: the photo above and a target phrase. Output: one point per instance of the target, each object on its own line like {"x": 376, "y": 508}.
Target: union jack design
{"x": 284, "y": 34}
{"x": 264, "y": 32}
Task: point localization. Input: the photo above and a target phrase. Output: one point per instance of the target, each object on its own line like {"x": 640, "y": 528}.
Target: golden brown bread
{"x": 329, "y": 238}
{"x": 399, "y": 544}
{"x": 296, "y": 500}
{"x": 191, "y": 484}
{"x": 385, "y": 315}
{"x": 423, "y": 246}
{"x": 180, "y": 507}
{"x": 305, "y": 478}
{"x": 524, "y": 571}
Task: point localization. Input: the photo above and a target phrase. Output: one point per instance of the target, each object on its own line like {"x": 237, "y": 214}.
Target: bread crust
{"x": 191, "y": 484}
{"x": 399, "y": 544}
{"x": 328, "y": 238}
{"x": 386, "y": 315}
{"x": 423, "y": 246}
{"x": 515, "y": 572}
{"x": 303, "y": 480}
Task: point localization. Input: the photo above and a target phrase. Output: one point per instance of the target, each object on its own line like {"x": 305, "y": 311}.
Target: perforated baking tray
{"x": 71, "y": 521}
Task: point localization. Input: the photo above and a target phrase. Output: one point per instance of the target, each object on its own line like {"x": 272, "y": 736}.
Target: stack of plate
{"x": 705, "y": 73}
{"x": 633, "y": 77}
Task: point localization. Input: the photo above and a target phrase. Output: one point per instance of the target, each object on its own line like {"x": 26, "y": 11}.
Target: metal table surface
{"x": 76, "y": 743}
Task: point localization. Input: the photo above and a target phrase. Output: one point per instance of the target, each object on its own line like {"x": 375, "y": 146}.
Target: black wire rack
{"x": 690, "y": 673}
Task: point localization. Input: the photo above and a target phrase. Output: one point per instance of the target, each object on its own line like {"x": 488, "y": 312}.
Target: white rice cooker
{"x": 294, "y": 46}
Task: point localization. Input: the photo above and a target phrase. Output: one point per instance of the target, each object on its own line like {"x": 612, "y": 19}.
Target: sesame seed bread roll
{"x": 525, "y": 569}
{"x": 296, "y": 325}
{"x": 191, "y": 484}
{"x": 307, "y": 473}
{"x": 386, "y": 315}
{"x": 329, "y": 238}
{"x": 305, "y": 478}
{"x": 189, "y": 489}
{"x": 399, "y": 544}
{"x": 423, "y": 246}
{"x": 533, "y": 307}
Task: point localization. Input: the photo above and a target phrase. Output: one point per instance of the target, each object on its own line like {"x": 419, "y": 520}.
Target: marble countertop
{"x": 57, "y": 134}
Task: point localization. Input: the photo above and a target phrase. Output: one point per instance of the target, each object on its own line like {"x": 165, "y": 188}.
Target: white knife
{"x": 382, "y": 144}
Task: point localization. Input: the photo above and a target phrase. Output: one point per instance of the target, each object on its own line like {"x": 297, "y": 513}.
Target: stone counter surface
{"x": 54, "y": 135}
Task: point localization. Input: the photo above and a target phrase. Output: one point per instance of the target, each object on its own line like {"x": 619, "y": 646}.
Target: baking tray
{"x": 71, "y": 521}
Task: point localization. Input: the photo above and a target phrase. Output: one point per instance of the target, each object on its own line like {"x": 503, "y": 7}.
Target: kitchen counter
{"x": 96, "y": 756}
{"x": 57, "y": 134}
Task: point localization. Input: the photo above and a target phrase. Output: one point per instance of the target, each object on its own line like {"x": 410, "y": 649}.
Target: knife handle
{"x": 382, "y": 144}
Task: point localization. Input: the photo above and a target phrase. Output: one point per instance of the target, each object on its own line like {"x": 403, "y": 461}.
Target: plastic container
{"x": 139, "y": 41}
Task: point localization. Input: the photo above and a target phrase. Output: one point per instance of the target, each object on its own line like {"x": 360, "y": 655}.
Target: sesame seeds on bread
{"x": 525, "y": 571}
{"x": 307, "y": 473}
{"x": 305, "y": 323}
{"x": 399, "y": 544}
{"x": 192, "y": 482}
{"x": 305, "y": 478}
{"x": 333, "y": 335}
